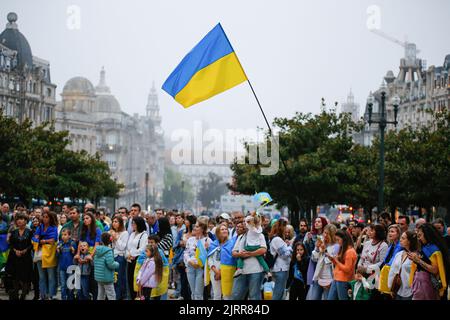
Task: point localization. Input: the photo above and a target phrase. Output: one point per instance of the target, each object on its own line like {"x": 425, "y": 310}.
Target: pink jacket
{"x": 147, "y": 276}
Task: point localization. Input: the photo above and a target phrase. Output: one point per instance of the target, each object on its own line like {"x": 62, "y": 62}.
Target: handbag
{"x": 435, "y": 282}
{"x": 37, "y": 255}
{"x": 397, "y": 281}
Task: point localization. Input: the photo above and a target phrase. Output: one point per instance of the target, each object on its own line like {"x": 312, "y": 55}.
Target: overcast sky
{"x": 294, "y": 52}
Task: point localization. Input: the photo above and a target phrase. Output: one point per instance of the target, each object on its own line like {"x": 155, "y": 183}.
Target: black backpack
{"x": 269, "y": 257}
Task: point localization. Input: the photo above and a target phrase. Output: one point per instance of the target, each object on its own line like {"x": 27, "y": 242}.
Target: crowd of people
{"x": 137, "y": 255}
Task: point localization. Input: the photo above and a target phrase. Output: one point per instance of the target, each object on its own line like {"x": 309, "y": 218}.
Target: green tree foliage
{"x": 327, "y": 167}
{"x": 172, "y": 195}
{"x": 35, "y": 163}
{"x": 211, "y": 189}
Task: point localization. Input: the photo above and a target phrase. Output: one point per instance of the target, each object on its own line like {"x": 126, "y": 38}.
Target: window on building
{"x": 49, "y": 92}
{"x": 111, "y": 138}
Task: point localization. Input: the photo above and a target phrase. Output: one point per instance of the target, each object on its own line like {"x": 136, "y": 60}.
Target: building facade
{"x": 26, "y": 90}
{"x": 420, "y": 90}
{"x": 132, "y": 145}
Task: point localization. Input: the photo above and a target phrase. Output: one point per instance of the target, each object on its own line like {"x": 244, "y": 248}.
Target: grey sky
{"x": 294, "y": 52}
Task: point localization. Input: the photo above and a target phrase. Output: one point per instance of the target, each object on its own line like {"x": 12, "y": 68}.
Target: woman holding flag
{"x": 195, "y": 256}
{"x": 221, "y": 263}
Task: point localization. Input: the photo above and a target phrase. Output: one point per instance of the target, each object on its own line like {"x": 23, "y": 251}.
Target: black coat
{"x": 20, "y": 268}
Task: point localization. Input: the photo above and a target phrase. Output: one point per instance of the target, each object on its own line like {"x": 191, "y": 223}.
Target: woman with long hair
{"x": 310, "y": 242}
{"x": 400, "y": 270}
{"x": 195, "y": 258}
{"x": 431, "y": 268}
{"x": 282, "y": 254}
{"x": 20, "y": 263}
{"x": 165, "y": 235}
{"x": 137, "y": 242}
{"x": 344, "y": 266}
{"x": 44, "y": 240}
{"x": 323, "y": 274}
{"x": 119, "y": 244}
{"x": 90, "y": 233}
{"x": 297, "y": 272}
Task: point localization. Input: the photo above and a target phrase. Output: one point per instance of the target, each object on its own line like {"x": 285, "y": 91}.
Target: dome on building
{"x": 12, "y": 38}
{"x": 79, "y": 85}
{"x": 389, "y": 77}
{"x": 107, "y": 103}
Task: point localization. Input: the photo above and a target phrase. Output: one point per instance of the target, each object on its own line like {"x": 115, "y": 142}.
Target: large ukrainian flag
{"x": 210, "y": 68}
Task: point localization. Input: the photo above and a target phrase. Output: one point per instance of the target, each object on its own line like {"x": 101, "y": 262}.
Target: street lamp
{"x": 382, "y": 122}
{"x": 182, "y": 195}
{"x": 146, "y": 190}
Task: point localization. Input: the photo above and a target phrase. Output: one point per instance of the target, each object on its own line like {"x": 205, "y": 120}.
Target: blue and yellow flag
{"x": 210, "y": 68}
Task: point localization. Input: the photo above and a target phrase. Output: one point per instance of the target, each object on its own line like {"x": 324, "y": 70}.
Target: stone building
{"x": 26, "y": 90}
{"x": 131, "y": 145}
{"x": 351, "y": 107}
{"x": 419, "y": 88}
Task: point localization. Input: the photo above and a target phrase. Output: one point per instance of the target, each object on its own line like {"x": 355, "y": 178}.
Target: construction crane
{"x": 411, "y": 50}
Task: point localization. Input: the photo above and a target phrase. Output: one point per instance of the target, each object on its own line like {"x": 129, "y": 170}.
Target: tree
{"x": 173, "y": 196}
{"x": 327, "y": 167}
{"x": 36, "y": 163}
{"x": 316, "y": 150}
{"x": 211, "y": 189}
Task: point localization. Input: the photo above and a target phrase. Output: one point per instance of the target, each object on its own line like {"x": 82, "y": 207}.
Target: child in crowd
{"x": 84, "y": 261}
{"x": 66, "y": 250}
{"x": 104, "y": 267}
{"x": 359, "y": 288}
{"x": 150, "y": 273}
{"x": 253, "y": 224}
{"x": 298, "y": 272}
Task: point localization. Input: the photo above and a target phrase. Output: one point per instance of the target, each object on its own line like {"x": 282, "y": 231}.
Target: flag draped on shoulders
{"x": 384, "y": 273}
{"x": 210, "y": 68}
{"x": 227, "y": 263}
{"x": 435, "y": 256}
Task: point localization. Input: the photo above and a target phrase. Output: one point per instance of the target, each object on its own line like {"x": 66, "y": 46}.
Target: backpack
{"x": 270, "y": 258}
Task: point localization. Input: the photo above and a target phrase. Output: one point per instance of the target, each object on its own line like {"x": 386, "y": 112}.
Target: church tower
{"x": 153, "y": 106}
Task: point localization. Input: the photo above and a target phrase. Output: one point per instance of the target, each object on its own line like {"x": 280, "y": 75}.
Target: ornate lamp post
{"x": 182, "y": 195}
{"x": 382, "y": 122}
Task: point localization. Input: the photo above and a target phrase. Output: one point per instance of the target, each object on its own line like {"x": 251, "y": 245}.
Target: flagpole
{"x": 280, "y": 154}
{"x": 267, "y": 122}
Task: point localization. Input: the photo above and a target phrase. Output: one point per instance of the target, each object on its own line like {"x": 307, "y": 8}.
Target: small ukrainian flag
{"x": 210, "y": 68}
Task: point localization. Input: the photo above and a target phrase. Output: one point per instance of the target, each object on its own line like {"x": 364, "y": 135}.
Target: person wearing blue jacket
{"x": 104, "y": 267}
{"x": 65, "y": 251}
{"x": 47, "y": 233}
